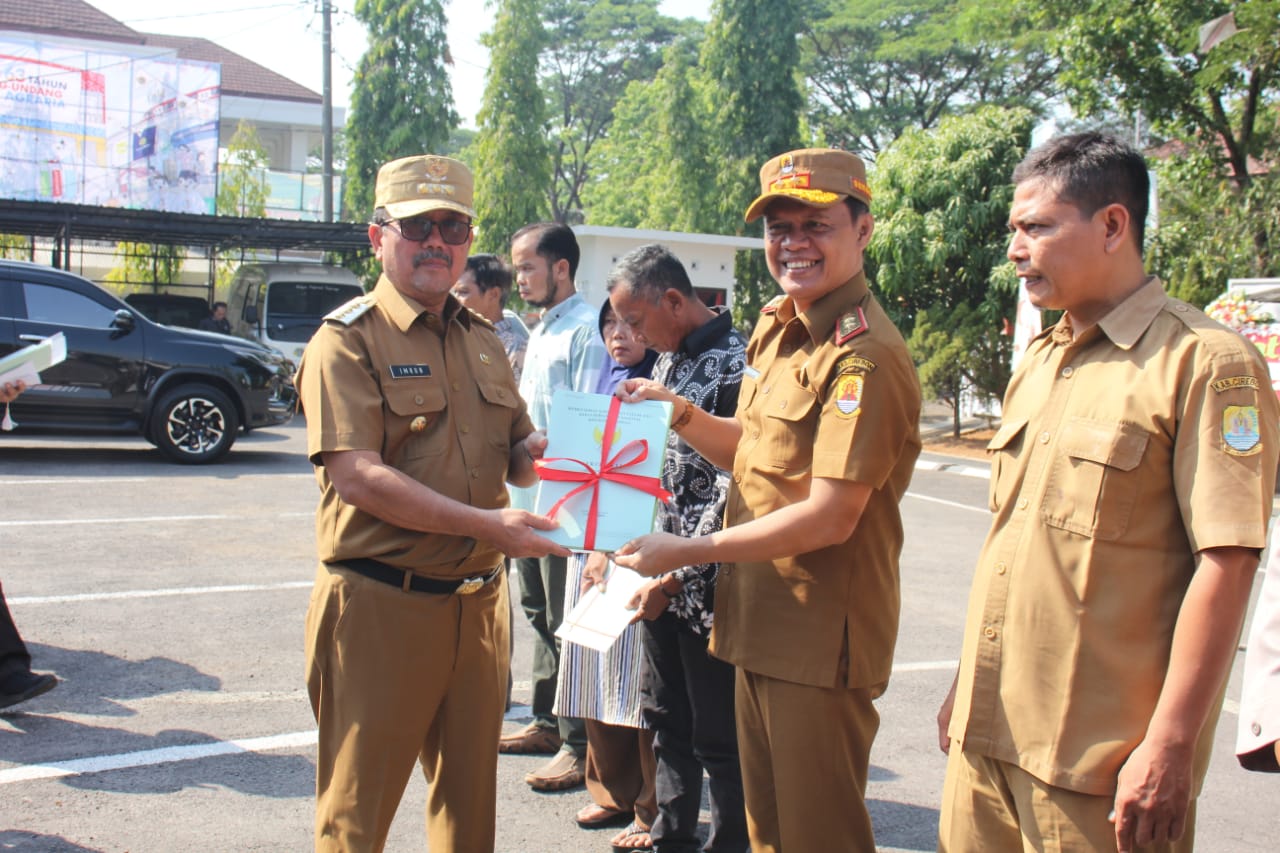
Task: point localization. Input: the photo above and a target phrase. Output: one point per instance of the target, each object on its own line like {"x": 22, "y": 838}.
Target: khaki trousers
{"x": 993, "y": 805}
{"x": 396, "y": 677}
{"x": 621, "y": 768}
{"x": 805, "y": 754}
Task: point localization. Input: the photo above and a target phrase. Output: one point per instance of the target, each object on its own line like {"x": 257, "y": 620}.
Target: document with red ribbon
{"x": 601, "y": 472}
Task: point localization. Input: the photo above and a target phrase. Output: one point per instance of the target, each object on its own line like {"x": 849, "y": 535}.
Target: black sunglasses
{"x": 415, "y": 230}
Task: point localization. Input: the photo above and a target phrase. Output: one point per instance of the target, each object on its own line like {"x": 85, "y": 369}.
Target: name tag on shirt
{"x": 409, "y": 371}
{"x": 751, "y": 372}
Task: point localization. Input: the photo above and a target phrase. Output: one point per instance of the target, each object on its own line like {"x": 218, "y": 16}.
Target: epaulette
{"x": 850, "y": 325}
{"x": 348, "y": 312}
{"x": 772, "y": 304}
{"x": 484, "y": 321}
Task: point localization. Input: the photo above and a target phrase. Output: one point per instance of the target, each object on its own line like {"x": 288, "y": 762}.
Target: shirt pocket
{"x": 415, "y": 419}
{"x": 1093, "y": 483}
{"x": 1002, "y": 449}
{"x": 789, "y": 427}
{"x": 500, "y": 405}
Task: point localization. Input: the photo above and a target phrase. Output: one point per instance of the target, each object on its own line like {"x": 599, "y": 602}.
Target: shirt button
{"x": 755, "y": 433}
{"x": 464, "y": 429}
{"x": 737, "y": 478}
{"x": 1067, "y": 371}
{"x": 766, "y": 389}
{"x": 1256, "y": 729}
{"x": 1044, "y": 437}
{"x": 1001, "y": 568}
{"x": 1023, "y": 503}
{"x": 418, "y": 399}
{"x": 782, "y": 405}
{"x": 989, "y": 633}
{"x": 1179, "y": 308}
{"x": 475, "y": 473}
{"x": 454, "y": 386}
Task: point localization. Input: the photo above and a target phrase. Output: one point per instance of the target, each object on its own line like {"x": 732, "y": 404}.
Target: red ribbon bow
{"x": 632, "y": 453}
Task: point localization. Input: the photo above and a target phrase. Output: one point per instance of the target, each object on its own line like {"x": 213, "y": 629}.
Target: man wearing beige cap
{"x": 407, "y": 396}
{"x": 821, "y": 450}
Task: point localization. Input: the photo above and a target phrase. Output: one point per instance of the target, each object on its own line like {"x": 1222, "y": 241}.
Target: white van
{"x": 282, "y": 304}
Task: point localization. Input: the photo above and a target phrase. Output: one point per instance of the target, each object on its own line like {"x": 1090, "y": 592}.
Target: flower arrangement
{"x": 1236, "y": 310}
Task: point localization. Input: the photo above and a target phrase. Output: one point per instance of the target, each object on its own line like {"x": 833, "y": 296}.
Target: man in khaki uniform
{"x": 822, "y": 448}
{"x": 414, "y": 424}
{"x": 1131, "y": 485}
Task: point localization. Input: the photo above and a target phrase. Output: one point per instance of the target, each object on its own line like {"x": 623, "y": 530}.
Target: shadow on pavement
{"x": 16, "y": 839}
{"x": 903, "y": 825}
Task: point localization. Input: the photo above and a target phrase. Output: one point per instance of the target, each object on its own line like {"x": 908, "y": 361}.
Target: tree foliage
{"x": 653, "y": 170}
{"x": 879, "y": 69}
{"x": 144, "y": 263}
{"x": 242, "y": 177}
{"x": 402, "y": 101}
{"x": 750, "y": 57}
{"x": 942, "y": 202}
{"x": 510, "y": 157}
{"x": 593, "y": 50}
{"x": 1145, "y": 58}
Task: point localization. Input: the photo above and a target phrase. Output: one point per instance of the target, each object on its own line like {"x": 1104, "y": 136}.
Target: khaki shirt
{"x": 435, "y": 398}
{"x": 1121, "y": 455}
{"x": 828, "y": 393}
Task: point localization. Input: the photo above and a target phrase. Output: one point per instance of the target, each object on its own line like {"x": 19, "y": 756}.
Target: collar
{"x": 820, "y": 320}
{"x": 405, "y": 310}
{"x": 705, "y": 336}
{"x": 555, "y": 312}
{"x": 1127, "y": 322}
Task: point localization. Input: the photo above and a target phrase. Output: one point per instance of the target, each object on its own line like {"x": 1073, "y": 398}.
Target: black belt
{"x": 379, "y": 571}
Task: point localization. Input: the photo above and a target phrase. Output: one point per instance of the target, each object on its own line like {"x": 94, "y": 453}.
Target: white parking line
{"x": 945, "y": 502}
{"x": 149, "y": 757}
{"x": 156, "y": 593}
{"x": 140, "y": 519}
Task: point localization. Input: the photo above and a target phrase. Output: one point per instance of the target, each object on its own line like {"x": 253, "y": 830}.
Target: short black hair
{"x": 555, "y": 242}
{"x": 218, "y": 305}
{"x": 490, "y": 271}
{"x": 857, "y": 207}
{"x": 649, "y": 271}
{"x": 1090, "y": 171}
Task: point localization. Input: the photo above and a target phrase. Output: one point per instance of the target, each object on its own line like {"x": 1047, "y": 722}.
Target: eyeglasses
{"x": 415, "y": 230}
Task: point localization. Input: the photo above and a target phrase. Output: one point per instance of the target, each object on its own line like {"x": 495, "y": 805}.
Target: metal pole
{"x": 326, "y": 112}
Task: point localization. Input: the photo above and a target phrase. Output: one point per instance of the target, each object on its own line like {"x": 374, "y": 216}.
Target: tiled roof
{"x": 78, "y": 19}
{"x": 240, "y": 76}
{"x": 73, "y": 18}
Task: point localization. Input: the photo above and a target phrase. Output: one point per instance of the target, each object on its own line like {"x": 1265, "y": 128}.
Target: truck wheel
{"x": 194, "y": 424}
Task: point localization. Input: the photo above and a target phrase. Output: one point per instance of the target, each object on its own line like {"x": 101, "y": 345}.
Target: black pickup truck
{"x": 187, "y": 392}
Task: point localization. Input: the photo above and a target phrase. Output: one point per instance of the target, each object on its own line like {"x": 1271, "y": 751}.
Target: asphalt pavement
{"x": 170, "y": 602}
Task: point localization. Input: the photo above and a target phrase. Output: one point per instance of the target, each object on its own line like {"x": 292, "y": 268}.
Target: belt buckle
{"x": 469, "y": 586}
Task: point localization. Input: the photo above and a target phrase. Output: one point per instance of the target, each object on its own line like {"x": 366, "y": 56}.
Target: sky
{"x": 285, "y": 36}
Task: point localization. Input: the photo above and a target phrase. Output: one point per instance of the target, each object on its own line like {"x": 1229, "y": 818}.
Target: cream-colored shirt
{"x": 830, "y": 392}
{"x": 435, "y": 398}
{"x": 1121, "y": 455}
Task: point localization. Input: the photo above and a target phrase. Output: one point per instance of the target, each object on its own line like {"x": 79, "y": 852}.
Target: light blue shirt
{"x": 565, "y": 351}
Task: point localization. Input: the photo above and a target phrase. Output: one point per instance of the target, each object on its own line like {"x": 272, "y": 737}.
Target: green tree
{"x": 151, "y": 264}
{"x": 877, "y": 69}
{"x": 510, "y": 155}
{"x": 242, "y": 177}
{"x": 750, "y": 57}
{"x": 1146, "y": 59}
{"x": 942, "y": 202}
{"x": 16, "y": 246}
{"x": 653, "y": 169}
{"x": 942, "y": 199}
{"x": 593, "y": 49}
{"x": 959, "y": 356}
{"x": 402, "y": 101}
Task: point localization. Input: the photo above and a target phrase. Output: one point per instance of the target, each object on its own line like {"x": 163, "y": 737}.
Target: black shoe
{"x": 21, "y": 686}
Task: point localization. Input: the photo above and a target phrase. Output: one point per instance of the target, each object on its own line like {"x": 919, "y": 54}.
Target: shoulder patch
{"x": 850, "y": 325}
{"x": 1235, "y": 382}
{"x": 854, "y": 364}
{"x": 772, "y": 305}
{"x": 348, "y": 312}
{"x": 482, "y": 320}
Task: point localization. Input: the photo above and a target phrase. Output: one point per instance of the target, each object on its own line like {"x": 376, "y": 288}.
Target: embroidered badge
{"x": 848, "y": 395}
{"x": 855, "y": 364}
{"x": 1240, "y": 430}
{"x": 850, "y": 325}
{"x": 410, "y": 371}
{"x": 418, "y": 424}
{"x": 484, "y": 358}
{"x": 1235, "y": 382}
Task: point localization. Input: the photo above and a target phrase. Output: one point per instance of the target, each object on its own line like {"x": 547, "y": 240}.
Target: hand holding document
{"x": 25, "y": 365}
{"x": 601, "y": 615}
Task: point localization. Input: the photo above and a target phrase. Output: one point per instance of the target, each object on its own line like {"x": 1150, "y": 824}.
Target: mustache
{"x": 430, "y": 255}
